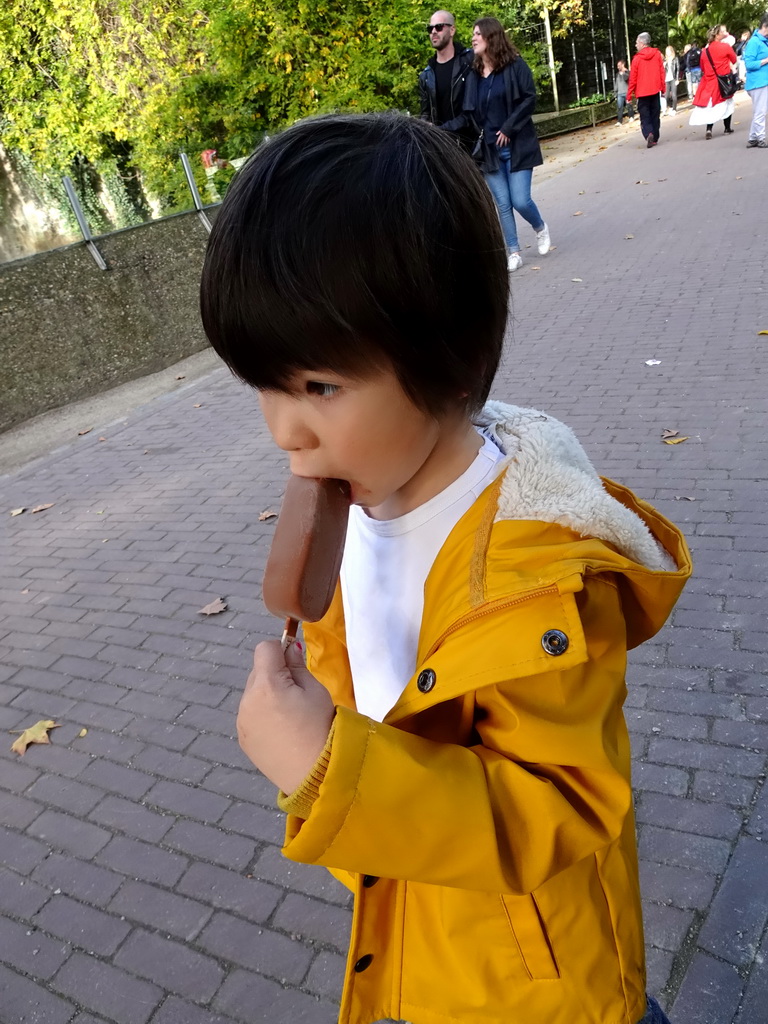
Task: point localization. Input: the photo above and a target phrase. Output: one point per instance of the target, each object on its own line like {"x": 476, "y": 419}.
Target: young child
{"x": 455, "y": 748}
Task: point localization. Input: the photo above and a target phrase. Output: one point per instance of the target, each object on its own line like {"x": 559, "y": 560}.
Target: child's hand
{"x": 285, "y": 715}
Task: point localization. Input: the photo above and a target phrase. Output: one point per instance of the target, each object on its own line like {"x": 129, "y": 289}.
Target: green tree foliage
{"x": 135, "y": 81}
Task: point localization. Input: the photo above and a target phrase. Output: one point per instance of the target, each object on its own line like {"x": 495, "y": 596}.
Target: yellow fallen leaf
{"x": 577, "y": 214}
{"x": 37, "y": 733}
{"x": 219, "y": 605}
{"x": 759, "y": 332}
{"x": 18, "y": 511}
{"x": 42, "y": 508}
{"x": 83, "y": 732}
{"x": 675, "y": 440}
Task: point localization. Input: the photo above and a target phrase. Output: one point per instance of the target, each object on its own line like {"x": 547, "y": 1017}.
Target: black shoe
{"x": 753, "y": 143}
{"x": 727, "y": 131}
{"x": 708, "y": 135}
{"x": 650, "y": 141}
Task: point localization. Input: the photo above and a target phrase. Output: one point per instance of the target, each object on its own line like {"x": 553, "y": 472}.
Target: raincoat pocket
{"x": 531, "y": 936}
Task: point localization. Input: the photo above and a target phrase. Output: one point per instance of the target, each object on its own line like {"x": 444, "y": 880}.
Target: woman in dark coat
{"x": 499, "y": 98}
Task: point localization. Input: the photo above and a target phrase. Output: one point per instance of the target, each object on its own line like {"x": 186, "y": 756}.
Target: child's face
{"x": 394, "y": 455}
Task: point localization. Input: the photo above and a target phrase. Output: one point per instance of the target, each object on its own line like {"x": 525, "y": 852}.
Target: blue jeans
{"x": 654, "y": 1014}
{"x": 511, "y": 190}
{"x": 622, "y": 107}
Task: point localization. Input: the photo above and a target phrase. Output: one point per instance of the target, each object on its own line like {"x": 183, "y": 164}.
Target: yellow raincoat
{"x": 486, "y": 824}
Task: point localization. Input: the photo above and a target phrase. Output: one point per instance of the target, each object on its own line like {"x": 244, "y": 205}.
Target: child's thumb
{"x": 294, "y": 654}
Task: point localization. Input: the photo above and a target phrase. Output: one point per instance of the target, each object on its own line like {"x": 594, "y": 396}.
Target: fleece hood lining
{"x": 547, "y": 476}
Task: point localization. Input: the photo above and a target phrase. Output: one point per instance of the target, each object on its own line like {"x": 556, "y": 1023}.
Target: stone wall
{"x": 69, "y": 330}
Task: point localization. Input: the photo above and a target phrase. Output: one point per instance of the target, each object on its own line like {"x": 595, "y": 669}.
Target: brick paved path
{"x": 141, "y": 877}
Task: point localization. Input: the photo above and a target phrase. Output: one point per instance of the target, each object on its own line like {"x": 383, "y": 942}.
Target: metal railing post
{"x": 74, "y": 202}
{"x": 195, "y": 194}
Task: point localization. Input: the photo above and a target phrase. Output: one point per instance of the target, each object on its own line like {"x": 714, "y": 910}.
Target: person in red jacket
{"x": 647, "y": 82}
{"x": 717, "y": 58}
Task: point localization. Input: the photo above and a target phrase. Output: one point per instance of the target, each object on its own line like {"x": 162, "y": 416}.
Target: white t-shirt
{"x": 385, "y": 567}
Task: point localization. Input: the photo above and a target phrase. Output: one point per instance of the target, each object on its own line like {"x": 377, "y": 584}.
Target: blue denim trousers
{"x": 511, "y": 190}
{"x": 623, "y": 109}
{"x": 654, "y": 1014}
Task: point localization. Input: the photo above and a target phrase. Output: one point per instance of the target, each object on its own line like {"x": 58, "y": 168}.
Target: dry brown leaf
{"x": 42, "y": 508}
{"x": 535, "y": 268}
{"x": 18, "y": 511}
{"x": 738, "y": 177}
{"x": 578, "y": 213}
{"x": 600, "y": 148}
{"x": 37, "y": 733}
{"x": 666, "y": 432}
{"x": 675, "y": 440}
{"x": 102, "y": 439}
{"x": 684, "y": 497}
{"x": 181, "y": 376}
{"x": 198, "y": 405}
{"x": 86, "y": 431}
{"x": 219, "y": 605}
{"x": 268, "y": 513}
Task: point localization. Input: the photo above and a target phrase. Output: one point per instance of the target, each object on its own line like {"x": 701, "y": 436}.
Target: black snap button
{"x": 426, "y": 680}
{"x": 555, "y": 642}
{"x": 364, "y": 962}
{"x": 369, "y": 880}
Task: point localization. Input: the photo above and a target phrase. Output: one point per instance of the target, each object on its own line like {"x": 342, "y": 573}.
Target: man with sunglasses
{"x": 441, "y": 83}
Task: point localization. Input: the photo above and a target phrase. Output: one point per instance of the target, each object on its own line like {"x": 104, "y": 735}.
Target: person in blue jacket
{"x": 499, "y": 100}
{"x": 755, "y": 57}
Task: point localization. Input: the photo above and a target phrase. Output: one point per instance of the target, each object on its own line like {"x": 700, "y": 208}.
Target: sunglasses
{"x": 437, "y": 28}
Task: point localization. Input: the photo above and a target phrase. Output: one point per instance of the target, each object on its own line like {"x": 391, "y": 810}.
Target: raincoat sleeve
{"x": 523, "y": 95}
{"x": 632, "y": 80}
{"x": 542, "y": 783}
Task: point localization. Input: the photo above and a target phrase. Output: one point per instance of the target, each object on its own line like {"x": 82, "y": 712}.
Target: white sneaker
{"x": 514, "y": 261}
{"x": 543, "y": 241}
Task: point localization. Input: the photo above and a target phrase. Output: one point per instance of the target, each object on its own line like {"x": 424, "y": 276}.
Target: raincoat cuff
{"x": 300, "y": 801}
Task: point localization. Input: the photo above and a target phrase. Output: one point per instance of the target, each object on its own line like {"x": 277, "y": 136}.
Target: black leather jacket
{"x": 428, "y": 92}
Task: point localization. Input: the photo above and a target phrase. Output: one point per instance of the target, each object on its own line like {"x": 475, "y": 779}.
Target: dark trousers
{"x": 649, "y": 109}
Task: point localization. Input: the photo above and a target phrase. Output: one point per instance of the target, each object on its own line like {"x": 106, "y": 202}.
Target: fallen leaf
{"x": 684, "y": 497}
{"x": 535, "y": 268}
{"x": 576, "y": 279}
{"x": 582, "y": 192}
{"x": 759, "y": 332}
{"x": 738, "y": 177}
{"x": 198, "y": 405}
{"x": 37, "y": 733}
{"x": 42, "y": 508}
{"x": 18, "y": 511}
{"x": 669, "y": 433}
{"x": 600, "y": 148}
{"x": 675, "y": 440}
{"x": 102, "y": 439}
{"x": 219, "y": 605}
{"x": 577, "y": 214}
{"x": 25, "y": 591}
{"x": 86, "y": 431}
{"x": 83, "y": 732}
{"x": 181, "y": 376}
{"x": 641, "y": 182}
{"x": 629, "y": 236}
{"x": 267, "y": 514}
{"x": 653, "y": 362}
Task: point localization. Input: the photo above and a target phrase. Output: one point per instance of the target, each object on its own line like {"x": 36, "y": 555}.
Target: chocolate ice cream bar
{"x": 305, "y": 557}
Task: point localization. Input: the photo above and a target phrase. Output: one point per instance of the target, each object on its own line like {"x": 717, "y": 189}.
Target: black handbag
{"x": 729, "y": 83}
{"x": 484, "y": 153}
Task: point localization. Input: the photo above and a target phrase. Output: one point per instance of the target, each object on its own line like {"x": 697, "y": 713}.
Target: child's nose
{"x": 286, "y": 423}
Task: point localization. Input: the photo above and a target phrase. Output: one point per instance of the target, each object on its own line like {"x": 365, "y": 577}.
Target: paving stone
{"x": 683, "y": 849}
{"x": 171, "y": 965}
{"x": 19, "y": 897}
{"x": 64, "y": 832}
{"x": 107, "y": 990}
{"x": 326, "y": 975}
{"x": 257, "y": 1000}
{"x": 142, "y": 860}
{"x": 22, "y": 999}
{"x": 80, "y": 925}
{"x": 77, "y": 878}
{"x": 243, "y": 784}
{"x": 703, "y": 819}
{"x": 682, "y": 887}
{"x": 18, "y": 811}
{"x": 28, "y": 950}
{"x": 171, "y": 765}
{"x": 710, "y": 993}
{"x": 254, "y": 947}
{"x": 314, "y": 881}
{"x": 739, "y": 912}
{"x": 176, "y": 1011}
{"x": 229, "y": 890}
{"x": 132, "y": 818}
{"x": 210, "y": 844}
{"x": 149, "y": 905}
{"x": 258, "y": 822}
{"x": 66, "y": 794}
{"x": 666, "y": 927}
{"x": 756, "y": 992}
{"x": 188, "y": 801}
{"x": 118, "y": 778}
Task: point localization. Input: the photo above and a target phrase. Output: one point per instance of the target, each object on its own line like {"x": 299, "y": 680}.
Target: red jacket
{"x": 723, "y": 57}
{"x": 646, "y": 73}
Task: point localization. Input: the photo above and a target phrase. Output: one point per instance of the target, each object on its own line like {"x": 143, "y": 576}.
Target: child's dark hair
{"x": 358, "y": 242}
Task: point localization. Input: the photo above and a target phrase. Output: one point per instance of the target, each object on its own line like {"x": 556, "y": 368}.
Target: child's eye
{"x": 323, "y": 390}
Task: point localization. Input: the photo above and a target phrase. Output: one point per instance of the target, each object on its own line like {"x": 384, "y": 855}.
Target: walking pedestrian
{"x": 756, "y": 62}
{"x": 499, "y": 99}
{"x": 647, "y": 82}
{"x": 671, "y": 75}
{"x": 620, "y": 85}
{"x": 441, "y": 83}
{"x": 709, "y": 104}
